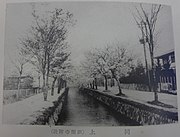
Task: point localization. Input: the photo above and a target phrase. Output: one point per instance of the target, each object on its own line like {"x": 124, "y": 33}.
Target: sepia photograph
{"x": 89, "y": 64}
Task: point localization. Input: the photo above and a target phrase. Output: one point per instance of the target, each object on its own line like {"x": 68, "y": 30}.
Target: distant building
{"x": 11, "y": 83}
{"x": 166, "y": 72}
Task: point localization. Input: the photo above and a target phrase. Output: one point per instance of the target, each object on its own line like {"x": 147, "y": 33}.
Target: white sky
{"x": 98, "y": 24}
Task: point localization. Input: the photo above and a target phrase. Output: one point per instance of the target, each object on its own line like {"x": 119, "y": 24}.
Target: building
{"x": 11, "y": 83}
{"x": 166, "y": 72}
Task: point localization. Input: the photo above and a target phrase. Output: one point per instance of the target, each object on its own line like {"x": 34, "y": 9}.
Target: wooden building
{"x": 166, "y": 72}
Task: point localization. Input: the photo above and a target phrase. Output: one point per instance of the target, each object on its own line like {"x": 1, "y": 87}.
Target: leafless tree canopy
{"x": 146, "y": 20}
{"x": 45, "y": 43}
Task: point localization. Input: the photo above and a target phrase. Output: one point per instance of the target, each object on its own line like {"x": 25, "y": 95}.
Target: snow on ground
{"x": 27, "y": 110}
{"x": 144, "y": 96}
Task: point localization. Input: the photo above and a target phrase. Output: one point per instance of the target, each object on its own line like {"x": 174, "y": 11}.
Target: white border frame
{"x": 140, "y": 131}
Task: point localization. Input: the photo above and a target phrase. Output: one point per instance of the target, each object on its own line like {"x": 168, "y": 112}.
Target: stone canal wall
{"x": 51, "y": 115}
{"x": 144, "y": 114}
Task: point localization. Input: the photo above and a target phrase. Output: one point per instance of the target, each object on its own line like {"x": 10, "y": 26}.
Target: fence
{"x": 162, "y": 87}
{"x": 10, "y": 96}
{"x": 140, "y": 87}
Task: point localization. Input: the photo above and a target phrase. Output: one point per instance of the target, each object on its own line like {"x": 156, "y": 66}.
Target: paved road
{"x": 81, "y": 110}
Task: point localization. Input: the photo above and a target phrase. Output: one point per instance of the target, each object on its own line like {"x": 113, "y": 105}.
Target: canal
{"x": 82, "y": 110}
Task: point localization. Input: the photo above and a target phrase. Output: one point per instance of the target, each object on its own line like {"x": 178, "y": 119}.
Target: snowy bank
{"x": 136, "y": 110}
{"x": 34, "y": 110}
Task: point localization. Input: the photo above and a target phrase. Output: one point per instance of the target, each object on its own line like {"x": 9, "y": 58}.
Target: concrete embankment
{"x": 51, "y": 115}
{"x": 142, "y": 113}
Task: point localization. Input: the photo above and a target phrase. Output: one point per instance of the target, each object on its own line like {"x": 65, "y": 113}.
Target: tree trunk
{"x": 90, "y": 85}
{"x": 95, "y": 80}
{"x": 53, "y": 83}
{"x": 47, "y": 74}
{"x": 119, "y": 86}
{"x": 151, "y": 48}
{"x": 19, "y": 86}
{"x": 111, "y": 84}
{"x": 65, "y": 83}
{"x": 93, "y": 84}
{"x": 62, "y": 84}
{"x": 146, "y": 64}
{"x": 44, "y": 89}
{"x": 39, "y": 80}
{"x": 149, "y": 80}
{"x": 47, "y": 79}
{"x": 59, "y": 85}
{"x": 106, "y": 82}
{"x": 154, "y": 79}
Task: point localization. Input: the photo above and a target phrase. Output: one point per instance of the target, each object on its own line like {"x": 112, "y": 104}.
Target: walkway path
{"x": 27, "y": 110}
{"x": 144, "y": 96}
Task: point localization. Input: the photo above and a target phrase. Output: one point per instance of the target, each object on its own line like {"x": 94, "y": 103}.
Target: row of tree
{"x": 45, "y": 47}
{"x": 112, "y": 61}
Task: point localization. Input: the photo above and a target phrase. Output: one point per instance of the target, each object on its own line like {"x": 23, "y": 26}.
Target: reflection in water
{"x": 82, "y": 110}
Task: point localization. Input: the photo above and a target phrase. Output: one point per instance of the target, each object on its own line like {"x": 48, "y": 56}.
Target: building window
{"x": 172, "y": 58}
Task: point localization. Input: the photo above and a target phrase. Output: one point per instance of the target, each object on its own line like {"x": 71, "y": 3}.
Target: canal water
{"x": 83, "y": 110}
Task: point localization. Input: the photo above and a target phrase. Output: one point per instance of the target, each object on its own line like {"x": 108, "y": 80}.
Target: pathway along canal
{"x": 83, "y": 110}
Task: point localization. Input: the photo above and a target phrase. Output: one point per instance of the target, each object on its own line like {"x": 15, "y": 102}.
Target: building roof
{"x": 165, "y": 53}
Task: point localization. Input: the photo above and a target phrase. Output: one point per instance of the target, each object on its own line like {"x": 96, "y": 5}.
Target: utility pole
{"x": 147, "y": 19}
{"x": 143, "y": 41}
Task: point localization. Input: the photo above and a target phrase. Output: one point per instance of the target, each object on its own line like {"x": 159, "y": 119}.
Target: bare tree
{"x": 47, "y": 34}
{"x": 143, "y": 41}
{"x": 148, "y": 18}
{"x": 19, "y": 64}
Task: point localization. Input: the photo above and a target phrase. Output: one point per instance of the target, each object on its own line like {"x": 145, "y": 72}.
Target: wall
{"x": 11, "y": 96}
{"x": 144, "y": 114}
{"x": 51, "y": 115}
